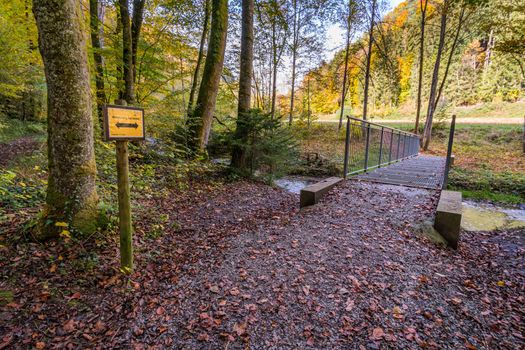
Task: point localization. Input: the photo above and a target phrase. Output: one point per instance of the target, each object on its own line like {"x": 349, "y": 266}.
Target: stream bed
{"x": 489, "y": 217}
{"x": 295, "y": 184}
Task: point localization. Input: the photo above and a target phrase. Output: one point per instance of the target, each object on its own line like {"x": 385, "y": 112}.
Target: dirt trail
{"x": 246, "y": 269}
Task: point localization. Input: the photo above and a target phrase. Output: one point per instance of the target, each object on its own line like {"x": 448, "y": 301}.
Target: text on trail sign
{"x": 123, "y": 123}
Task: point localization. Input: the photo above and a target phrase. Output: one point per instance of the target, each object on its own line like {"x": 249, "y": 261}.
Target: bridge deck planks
{"x": 419, "y": 171}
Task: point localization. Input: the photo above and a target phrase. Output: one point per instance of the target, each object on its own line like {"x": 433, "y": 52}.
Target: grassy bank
{"x": 492, "y": 112}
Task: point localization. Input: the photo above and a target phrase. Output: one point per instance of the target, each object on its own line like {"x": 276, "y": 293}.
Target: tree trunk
{"x": 202, "y": 116}
{"x": 274, "y": 69}
{"x": 127, "y": 53}
{"x": 94, "y": 24}
{"x": 488, "y": 51}
{"x": 71, "y": 192}
{"x": 421, "y": 61}
{"x": 368, "y": 58}
{"x": 200, "y": 57}
{"x": 295, "y": 46}
{"x": 435, "y": 76}
{"x": 245, "y": 86}
{"x": 345, "y": 73}
{"x": 450, "y": 56}
{"x": 136, "y": 25}
{"x": 309, "y": 110}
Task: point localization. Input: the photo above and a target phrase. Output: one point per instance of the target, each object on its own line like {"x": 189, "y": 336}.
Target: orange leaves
{"x": 377, "y": 334}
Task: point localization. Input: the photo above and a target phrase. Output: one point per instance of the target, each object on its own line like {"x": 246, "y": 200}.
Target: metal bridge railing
{"x": 369, "y": 145}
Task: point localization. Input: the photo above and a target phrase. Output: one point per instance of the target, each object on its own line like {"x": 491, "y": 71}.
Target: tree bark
{"x": 71, "y": 192}
{"x": 200, "y": 57}
{"x": 345, "y": 73}
{"x": 202, "y": 116}
{"x": 450, "y": 56}
{"x": 435, "y": 76}
{"x": 295, "y": 46}
{"x": 369, "y": 58}
{"x": 94, "y": 24}
{"x": 136, "y": 25}
{"x": 127, "y": 53}
{"x": 245, "y": 86}
{"x": 421, "y": 61}
{"x": 274, "y": 69}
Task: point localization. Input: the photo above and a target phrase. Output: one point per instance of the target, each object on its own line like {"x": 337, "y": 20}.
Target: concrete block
{"x": 311, "y": 195}
{"x": 448, "y": 217}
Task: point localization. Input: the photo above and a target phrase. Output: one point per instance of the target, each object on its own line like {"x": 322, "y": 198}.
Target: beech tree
{"x": 202, "y": 116}
{"x": 373, "y": 7}
{"x": 245, "y": 84}
{"x": 200, "y": 57}
{"x": 71, "y": 192}
{"x": 423, "y": 5}
{"x": 94, "y": 24}
{"x": 128, "y": 92}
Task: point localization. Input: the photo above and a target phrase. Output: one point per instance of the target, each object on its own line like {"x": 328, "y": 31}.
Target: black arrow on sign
{"x": 127, "y": 125}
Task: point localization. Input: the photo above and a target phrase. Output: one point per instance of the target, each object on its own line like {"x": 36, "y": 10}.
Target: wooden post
{"x": 524, "y": 134}
{"x": 124, "y": 206}
{"x": 449, "y": 150}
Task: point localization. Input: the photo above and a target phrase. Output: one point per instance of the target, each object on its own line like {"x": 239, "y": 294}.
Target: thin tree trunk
{"x": 136, "y": 25}
{"x": 239, "y": 160}
{"x": 450, "y": 57}
{"x": 488, "y": 52}
{"x": 127, "y": 53}
{"x": 421, "y": 61}
{"x": 200, "y": 57}
{"x": 274, "y": 70}
{"x": 345, "y": 73}
{"x": 182, "y": 82}
{"x": 369, "y": 58}
{"x": 202, "y": 116}
{"x": 435, "y": 76}
{"x": 309, "y": 110}
{"x": 94, "y": 24}
{"x": 71, "y": 192}
{"x": 295, "y": 45}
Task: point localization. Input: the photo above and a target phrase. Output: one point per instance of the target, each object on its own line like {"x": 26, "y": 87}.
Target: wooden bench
{"x": 448, "y": 217}
{"x": 311, "y": 195}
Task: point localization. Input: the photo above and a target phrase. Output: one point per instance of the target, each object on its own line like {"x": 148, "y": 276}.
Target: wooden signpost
{"x": 123, "y": 124}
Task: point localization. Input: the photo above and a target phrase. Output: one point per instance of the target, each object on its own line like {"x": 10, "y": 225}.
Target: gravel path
{"x": 348, "y": 273}
{"x": 244, "y": 269}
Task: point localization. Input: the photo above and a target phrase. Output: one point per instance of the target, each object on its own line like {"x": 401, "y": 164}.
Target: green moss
{"x": 490, "y": 196}
{"x": 6, "y": 297}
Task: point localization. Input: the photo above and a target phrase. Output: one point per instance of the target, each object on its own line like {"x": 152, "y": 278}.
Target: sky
{"x": 335, "y": 36}
{"x": 335, "y": 39}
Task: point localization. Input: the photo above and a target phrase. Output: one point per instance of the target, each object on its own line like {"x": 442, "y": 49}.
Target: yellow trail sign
{"x": 123, "y": 123}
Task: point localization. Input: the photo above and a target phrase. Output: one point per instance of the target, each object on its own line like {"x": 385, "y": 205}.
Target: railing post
{"x": 347, "y": 147}
{"x": 381, "y": 147}
{"x": 367, "y": 146}
{"x": 390, "y": 150}
{"x": 449, "y": 150}
{"x": 398, "y": 143}
{"x": 404, "y": 145}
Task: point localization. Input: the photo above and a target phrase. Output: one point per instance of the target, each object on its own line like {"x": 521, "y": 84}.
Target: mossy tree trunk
{"x": 127, "y": 53}
{"x": 136, "y": 25}
{"x": 245, "y": 86}
{"x": 202, "y": 116}
{"x": 94, "y": 23}
{"x": 200, "y": 57}
{"x": 71, "y": 192}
